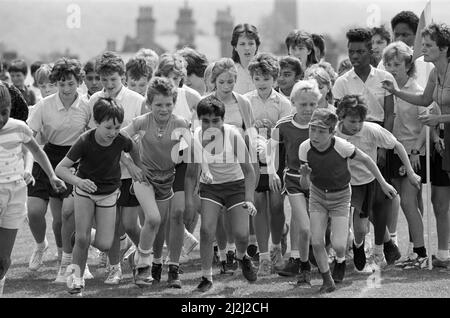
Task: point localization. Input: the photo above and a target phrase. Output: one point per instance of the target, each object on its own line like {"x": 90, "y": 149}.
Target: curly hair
{"x": 407, "y": 17}
{"x": 65, "y": 67}
{"x": 109, "y": 63}
{"x": 223, "y": 65}
{"x": 138, "y": 67}
{"x": 161, "y": 86}
{"x": 264, "y": 64}
{"x": 382, "y": 32}
{"x": 210, "y": 105}
{"x": 352, "y": 105}
{"x": 439, "y": 33}
{"x": 360, "y": 35}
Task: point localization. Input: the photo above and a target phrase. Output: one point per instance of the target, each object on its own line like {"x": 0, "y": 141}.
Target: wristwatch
{"x": 415, "y": 152}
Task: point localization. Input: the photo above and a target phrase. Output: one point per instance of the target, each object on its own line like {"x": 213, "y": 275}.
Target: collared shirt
{"x": 59, "y": 125}
{"x": 244, "y": 83}
{"x": 132, "y": 106}
{"x": 350, "y": 83}
{"x": 368, "y": 139}
{"x": 407, "y": 126}
{"x": 12, "y": 136}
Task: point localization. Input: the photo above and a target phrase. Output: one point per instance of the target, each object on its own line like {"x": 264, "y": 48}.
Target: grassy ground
{"x": 391, "y": 283}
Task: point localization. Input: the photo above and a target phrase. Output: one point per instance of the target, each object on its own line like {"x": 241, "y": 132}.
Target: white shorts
{"x": 13, "y": 204}
{"x": 101, "y": 200}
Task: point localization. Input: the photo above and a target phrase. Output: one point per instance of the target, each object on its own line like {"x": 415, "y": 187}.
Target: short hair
{"x": 109, "y": 63}
{"x": 161, "y": 86}
{"x": 65, "y": 67}
{"x": 439, "y": 33}
{"x": 207, "y": 75}
{"x": 352, "y": 105}
{"x": 404, "y": 52}
{"x": 264, "y": 64}
{"x": 169, "y": 63}
{"x": 210, "y": 105}
{"x": 324, "y": 116}
{"x": 299, "y": 37}
{"x": 248, "y": 30}
{"x": 330, "y": 70}
{"x": 196, "y": 62}
{"x": 360, "y": 35}
{"x": 322, "y": 77}
{"x": 223, "y": 65}
{"x": 42, "y": 75}
{"x": 19, "y": 66}
{"x": 5, "y": 97}
{"x": 292, "y": 62}
{"x": 106, "y": 108}
{"x": 150, "y": 56}
{"x": 382, "y": 32}
{"x": 305, "y": 86}
{"x": 138, "y": 67}
{"x": 407, "y": 17}
{"x": 319, "y": 42}
{"x": 35, "y": 66}
{"x": 89, "y": 67}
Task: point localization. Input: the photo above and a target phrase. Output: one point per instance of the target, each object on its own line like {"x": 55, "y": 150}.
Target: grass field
{"x": 391, "y": 283}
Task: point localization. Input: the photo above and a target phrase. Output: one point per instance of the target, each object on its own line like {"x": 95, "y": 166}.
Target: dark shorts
{"x": 162, "y": 182}
{"x": 439, "y": 177}
{"x": 229, "y": 194}
{"x": 363, "y": 198}
{"x": 126, "y": 198}
{"x": 396, "y": 164}
{"x": 446, "y": 159}
{"x": 292, "y": 184}
{"x": 180, "y": 172}
{"x": 42, "y": 187}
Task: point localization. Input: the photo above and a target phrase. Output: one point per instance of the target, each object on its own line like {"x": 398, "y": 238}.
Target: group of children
{"x": 158, "y": 143}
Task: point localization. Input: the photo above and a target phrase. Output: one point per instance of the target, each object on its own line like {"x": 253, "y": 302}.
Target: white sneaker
{"x": 265, "y": 267}
{"x": 114, "y": 276}
{"x": 189, "y": 243}
{"x": 61, "y": 277}
{"x": 276, "y": 258}
{"x": 37, "y": 258}
{"x": 377, "y": 261}
{"x": 130, "y": 251}
{"x": 125, "y": 245}
{"x": 93, "y": 255}
{"x": 87, "y": 273}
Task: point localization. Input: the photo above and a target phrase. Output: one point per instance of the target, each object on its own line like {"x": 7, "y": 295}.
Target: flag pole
{"x": 428, "y": 192}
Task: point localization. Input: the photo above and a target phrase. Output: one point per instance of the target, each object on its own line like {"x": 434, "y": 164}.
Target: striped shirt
{"x": 12, "y": 136}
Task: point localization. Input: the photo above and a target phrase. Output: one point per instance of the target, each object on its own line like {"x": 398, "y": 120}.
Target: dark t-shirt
{"x": 98, "y": 163}
{"x": 19, "y": 107}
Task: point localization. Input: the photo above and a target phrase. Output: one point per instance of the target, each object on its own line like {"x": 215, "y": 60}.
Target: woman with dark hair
{"x": 301, "y": 45}
{"x": 245, "y": 42}
{"x": 380, "y": 39}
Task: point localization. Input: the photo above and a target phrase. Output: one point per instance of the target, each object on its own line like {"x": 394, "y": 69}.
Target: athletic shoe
{"x": 114, "y": 276}
{"x": 377, "y": 261}
{"x": 312, "y": 259}
{"x": 189, "y": 243}
{"x": 327, "y": 287}
{"x": 37, "y": 258}
{"x": 173, "y": 280}
{"x": 284, "y": 238}
{"x": 391, "y": 252}
{"x": 232, "y": 265}
{"x": 291, "y": 268}
{"x": 143, "y": 276}
{"x": 248, "y": 269}
{"x": 417, "y": 263}
{"x": 251, "y": 250}
{"x": 131, "y": 250}
{"x": 407, "y": 261}
{"x": 124, "y": 247}
{"x": 277, "y": 258}
{"x": 156, "y": 272}
{"x": 75, "y": 285}
{"x": 359, "y": 256}
{"x": 438, "y": 263}
{"x": 224, "y": 269}
{"x": 304, "y": 278}
{"x": 87, "y": 273}
{"x": 338, "y": 271}
{"x": 61, "y": 277}
{"x": 204, "y": 285}
{"x": 265, "y": 267}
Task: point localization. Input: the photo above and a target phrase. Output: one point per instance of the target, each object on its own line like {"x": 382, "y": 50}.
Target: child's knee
{"x": 206, "y": 233}
{"x": 5, "y": 262}
{"x": 103, "y": 245}
{"x": 176, "y": 216}
{"x": 241, "y": 237}
{"x": 152, "y": 221}
{"x": 304, "y": 233}
{"x": 82, "y": 240}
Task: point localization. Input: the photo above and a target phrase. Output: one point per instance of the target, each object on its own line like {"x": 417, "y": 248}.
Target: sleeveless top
{"x": 182, "y": 108}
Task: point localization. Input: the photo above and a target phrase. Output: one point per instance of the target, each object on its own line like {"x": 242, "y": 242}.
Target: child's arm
{"x": 413, "y": 178}
{"x": 272, "y": 146}
{"x": 28, "y": 161}
{"x": 190, "y": 180}
{"x": 370, "y": 164}
{"x": 41, "y": 158}
{"x": 132, "y": 162}
{"x": 63, "y": 171}
{"x": 305, "y": 173}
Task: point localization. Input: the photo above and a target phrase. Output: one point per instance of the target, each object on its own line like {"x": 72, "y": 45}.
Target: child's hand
{"x": 28, "y": 177}
{"x": 57, "y": 184}
{"x": 415, "y": 162}
{"x": 415, "y": 179}
{"x": 259, "y": 124}
{"x": 72, "y": 170}
{"x": 439, "y": 146}
{"x": 274, "y": 182}
{"x": 87, "y": 185}
{"x": 305, "y": 170}
{"x": 388, "y": 85}
{"x": 388, "y": 190}
{"x": 267, "y": 123}
{"x": 251, "y": 209}
{"x": 207, "y": 177}
{"x": 136, "y": 173}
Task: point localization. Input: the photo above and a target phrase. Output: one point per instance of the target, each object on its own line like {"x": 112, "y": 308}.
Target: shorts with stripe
{"x": 101, "y": 200}
{"x": 162, "y": 182}
{"x": 292, "y": 184}
{"x": 228, "y": 194}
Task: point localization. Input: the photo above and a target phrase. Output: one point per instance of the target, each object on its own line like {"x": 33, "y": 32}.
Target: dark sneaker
{"x": 142, "y": 276}
{"x": 338, "y": 271}
{"x": 156, "y": 272}
{"x": 173, "y": 280}
{"x": 76, "y": 291}
{"x": 204, "y": 285}
{"x": 284, "y": 238}
{"x": 248, "y": 269}
{"x": 291, "y": 268}
{"x": 312, "y": 259}
{"x": 251, "y": 250}
{"x": 224, "y": 270}
{"x": 304, "y": 278}
{"x": 232, "y": 265}
{"x": 438, "y": 263}
{"x": 359, "y": 256}
{"x": 391, "y": 252}
{"x": 327, "y": 287}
